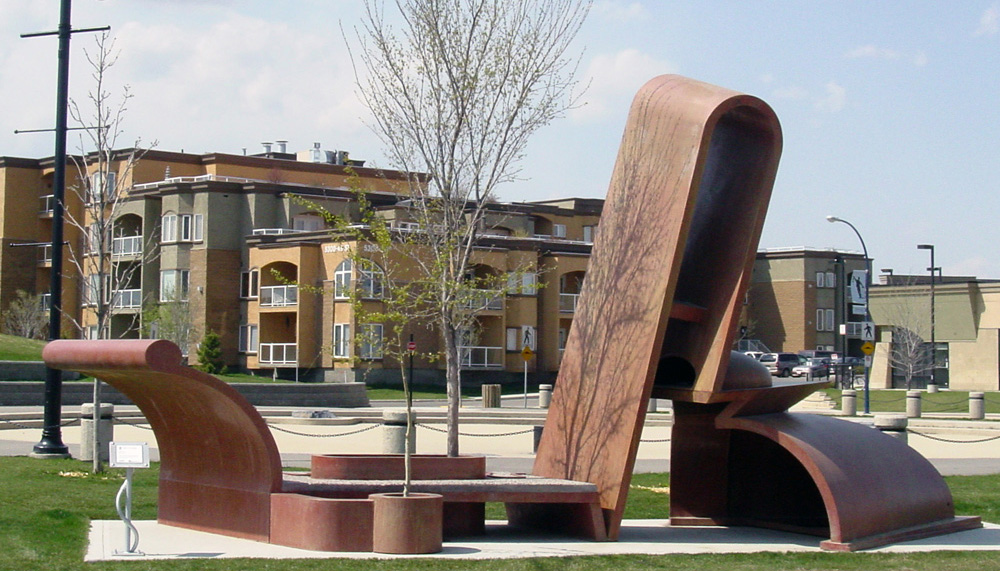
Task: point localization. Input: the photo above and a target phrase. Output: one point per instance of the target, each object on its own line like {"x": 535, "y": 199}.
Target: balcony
{"x": 481, "y": 357}
{"x": 127, "y": 299}
{"x": 480, "y": 300}
{"x": 275, "y": 231}
{"x": 278, "y": 354}
{"x": 567, "y": 303}
{"x": 126, "y": 246}
{"x": 278, "y": 296}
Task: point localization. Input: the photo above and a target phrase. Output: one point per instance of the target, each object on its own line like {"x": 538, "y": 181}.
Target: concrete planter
{"x": 407, "y": 524}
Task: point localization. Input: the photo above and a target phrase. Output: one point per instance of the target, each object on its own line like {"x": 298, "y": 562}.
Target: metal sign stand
{"x": 129, "y": 456}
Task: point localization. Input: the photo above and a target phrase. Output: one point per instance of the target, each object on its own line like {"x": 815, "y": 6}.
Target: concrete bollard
{"x": 491, "y": 395}
{"x": 105, "y": 431}
{"x": 913, "y": 403}
{"x": 932, "y": 388}
{"x": 977, "y": 405}
{"x": 544, "y": 395}
{"x": 651, "y": 407}
{"x": 849, "y": 403}
{"x": 893, "y": 425}
{"x": 394, "y": 432}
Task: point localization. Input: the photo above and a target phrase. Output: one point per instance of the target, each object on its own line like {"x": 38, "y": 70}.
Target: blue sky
{"x": 890, "y": 110}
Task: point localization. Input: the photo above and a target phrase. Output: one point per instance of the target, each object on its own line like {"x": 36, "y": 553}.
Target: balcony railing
{"x": 567, "y": 302}
{"x": 276, "y": 231}
{"x": 484, "y": 300}
{"x": 481, "y": 357}
{"x": 47, "y": 204}
{"x": 127, "y": 299}
{"x": 126, "y": 246}
{"x": 277, "y": 354}
{"x": 279, "y": 296}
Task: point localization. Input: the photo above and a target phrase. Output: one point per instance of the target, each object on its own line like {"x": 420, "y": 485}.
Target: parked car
{"x": 781, "y": 364}
{"x": 813, "y": 368}
{"x": 755, "y": 355}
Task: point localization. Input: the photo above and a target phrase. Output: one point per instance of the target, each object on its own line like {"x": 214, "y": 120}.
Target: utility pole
{"x": 51, "y": 445}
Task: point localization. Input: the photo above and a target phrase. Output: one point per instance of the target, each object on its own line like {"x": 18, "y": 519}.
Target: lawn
{"x": 47, "y": 505}
{"x": 894, "y": 401}
{"x": 16, "y": 348}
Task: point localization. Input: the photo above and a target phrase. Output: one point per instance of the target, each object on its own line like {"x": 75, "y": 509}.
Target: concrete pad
{"x": 157, "y": 541}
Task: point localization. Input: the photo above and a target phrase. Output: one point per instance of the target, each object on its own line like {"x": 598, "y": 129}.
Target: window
{"x": 342, "y": 280}
{"x": 563, "y": 336}
{"x": 168, "y": 228}
{"x": 249, "y": 281}
{"x": 523, "y": 283}
{"x": 821, "y": 280}
{"x": 174, "y": 285}
{"x": 831, "y": 324}
{"x": 248, "y": 339}
{"x": 182, "y": 228}
{"x": 341, "y": 340}
{"x": 825, "y": 321}
{"x": 513, "y": 335}
{"x": 820, "y": 321}
{"x": 831, "y": 280}
{"x": 370, "y": 280}
{"x": 308, "y": 222}
{"x": 559, "y": 230}
{"x": 589, "y": 232}
{"x": 371, "y": 341}
{"x": 102, "y": 187}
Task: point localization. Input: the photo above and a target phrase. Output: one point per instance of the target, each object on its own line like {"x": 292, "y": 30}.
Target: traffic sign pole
{"x": 526, "y": 354}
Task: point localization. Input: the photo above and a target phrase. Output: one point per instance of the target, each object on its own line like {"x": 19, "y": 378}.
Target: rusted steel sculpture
{"x": 657, "y": 318}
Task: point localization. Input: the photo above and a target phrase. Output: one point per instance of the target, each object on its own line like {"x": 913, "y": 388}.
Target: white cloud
{"x": 989, "y": 22}
{"x": 614, "y": 80}
{"x": 617, "y": 11}
{"x": 834, "y": 99}
{"x": 791, "y": 92}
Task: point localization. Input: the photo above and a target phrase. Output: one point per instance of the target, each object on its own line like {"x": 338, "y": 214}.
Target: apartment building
{"x": 794, "y": 302}
{"x": 215, "y": 232}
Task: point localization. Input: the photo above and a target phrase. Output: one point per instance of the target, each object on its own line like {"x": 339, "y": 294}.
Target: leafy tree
{"x": 210, "y": 354}
{"x": 455, "y": 94}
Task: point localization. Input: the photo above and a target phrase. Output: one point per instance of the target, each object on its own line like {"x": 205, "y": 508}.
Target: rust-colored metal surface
{"x": 391, "y": 467}
{"x": 751, "y": 463}
{"x": 694, "y": 159}
{"x": 218, "y": 461}
{"x": 315, "y": 523}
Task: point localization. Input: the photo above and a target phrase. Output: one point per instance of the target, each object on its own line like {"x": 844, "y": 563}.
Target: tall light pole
{"x": 933, "y": 341}
{"x": 868, "y": 284}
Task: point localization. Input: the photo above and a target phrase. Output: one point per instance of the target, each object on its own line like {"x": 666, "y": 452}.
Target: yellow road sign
{"x": 527, "y": 354}
{"x": 868, "y": 348}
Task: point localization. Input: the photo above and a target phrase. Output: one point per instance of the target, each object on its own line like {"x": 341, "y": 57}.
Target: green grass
{"x": 16, "y": 348}
{"x": 894, "y": 401}
{"x": 46, "y": 506}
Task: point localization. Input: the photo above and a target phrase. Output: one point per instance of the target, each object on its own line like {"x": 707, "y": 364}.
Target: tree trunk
{"x": 452, "y": 365}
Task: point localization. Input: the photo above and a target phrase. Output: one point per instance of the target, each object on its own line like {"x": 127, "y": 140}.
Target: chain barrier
{"x": 300, "y": 434}
{"x": 17, "y": 425}
{"x": 524, "y": 432}
{"x": 943, "y": 440}
{"x": 654, "y": 440}
{"x": 136, "y": 425}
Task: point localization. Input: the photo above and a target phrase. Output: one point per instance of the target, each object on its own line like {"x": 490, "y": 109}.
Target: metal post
{"x": 868, "y": 285}
{"x": 525, "y": 384}
{"x": 933, "y": 341}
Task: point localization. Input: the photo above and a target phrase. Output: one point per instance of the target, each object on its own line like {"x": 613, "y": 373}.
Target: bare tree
{"x": 455, "y": 93}
{"x": 908, "y": 315}
{"x": 110, "y": 259}
{"x": 27, "y": 316}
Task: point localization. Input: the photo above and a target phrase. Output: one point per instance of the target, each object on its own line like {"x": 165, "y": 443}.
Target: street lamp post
{"x": 868, "y": 284}
{"x": 932, "y": 269}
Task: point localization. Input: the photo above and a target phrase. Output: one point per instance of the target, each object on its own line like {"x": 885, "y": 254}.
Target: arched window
{"x": 342, "y": 279}
{"x": 371, "y": 279}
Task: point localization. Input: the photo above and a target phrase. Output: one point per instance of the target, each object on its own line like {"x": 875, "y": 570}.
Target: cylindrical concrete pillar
{"x": 491, "y": 395}
{"x": 651, "y": 407}
{"x": 544, "y": 395}
{"x": 105, "y": 431}
{"x": 394, "y": 432}
{"x": 892, "y": 424}
{"x": 913, "y": 403}
{"x": 932, "y": 388}
{"x": 977, "y": 405}
{"x": 849, "y": 402}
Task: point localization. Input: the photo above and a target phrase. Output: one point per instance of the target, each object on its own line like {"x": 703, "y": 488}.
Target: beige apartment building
{"x": 216, "y": 231}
